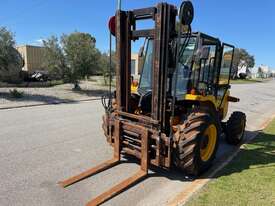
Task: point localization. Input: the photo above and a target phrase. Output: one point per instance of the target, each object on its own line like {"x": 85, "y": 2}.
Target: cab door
{"x": 224, "y": 76}
{"x": 226, "y": 64}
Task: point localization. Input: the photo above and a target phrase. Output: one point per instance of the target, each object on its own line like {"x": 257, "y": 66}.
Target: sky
{"x": 243, "y": 23}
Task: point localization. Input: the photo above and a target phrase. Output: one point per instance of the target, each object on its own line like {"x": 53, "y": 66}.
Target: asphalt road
{"x": 40, "y": 146}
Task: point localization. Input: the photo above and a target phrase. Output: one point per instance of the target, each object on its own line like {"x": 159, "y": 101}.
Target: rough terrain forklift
{"x": 175, "y": 117}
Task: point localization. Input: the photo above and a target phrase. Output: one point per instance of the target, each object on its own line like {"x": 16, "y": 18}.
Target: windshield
{"x": 146, "y": 77}
{"x": 185, "y": 64}
{"x": 185, "y": 61}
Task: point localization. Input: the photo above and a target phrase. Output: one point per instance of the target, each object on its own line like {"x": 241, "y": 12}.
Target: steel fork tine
{"x": 101, "y": 167}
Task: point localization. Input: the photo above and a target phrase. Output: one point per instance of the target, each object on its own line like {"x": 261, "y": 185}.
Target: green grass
{"x": 248, "y": 180}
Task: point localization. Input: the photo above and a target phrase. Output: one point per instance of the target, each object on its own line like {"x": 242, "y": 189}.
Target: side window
{"x": 207, "y": 68}
{"x": 208, "y": 65}
{"x": 227, "y": 57}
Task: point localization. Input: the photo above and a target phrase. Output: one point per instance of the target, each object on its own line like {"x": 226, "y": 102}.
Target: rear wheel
{"x": 197, "y": 143}
{"x": 235, "y": 128}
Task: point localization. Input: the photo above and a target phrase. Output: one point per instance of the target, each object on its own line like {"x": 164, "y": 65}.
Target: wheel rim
{"x": 208, "y": 143}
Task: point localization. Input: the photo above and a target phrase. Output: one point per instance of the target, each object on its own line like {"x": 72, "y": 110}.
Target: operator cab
{"x": 204, "y": 69}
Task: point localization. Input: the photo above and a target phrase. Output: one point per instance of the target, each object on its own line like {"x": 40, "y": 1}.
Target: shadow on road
{"x": 40, "y": 98}
{"x": 36, "y": 98}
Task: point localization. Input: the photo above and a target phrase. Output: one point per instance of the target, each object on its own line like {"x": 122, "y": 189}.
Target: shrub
{"x": 16, "y": 94}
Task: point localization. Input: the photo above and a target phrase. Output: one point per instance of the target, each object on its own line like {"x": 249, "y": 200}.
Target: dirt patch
{"x": 51, "y": 95}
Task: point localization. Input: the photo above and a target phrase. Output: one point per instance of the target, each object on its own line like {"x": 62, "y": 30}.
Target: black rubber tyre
{"x": 223, "y": 126}
{"x": 235, "y": 128}
{"x": 187, "y": 152}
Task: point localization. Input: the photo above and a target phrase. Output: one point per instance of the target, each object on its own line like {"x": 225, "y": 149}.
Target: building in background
{"x": 264, "y": 71}
{"x": 254, "y": 73}
{"x": 33, "y": 57}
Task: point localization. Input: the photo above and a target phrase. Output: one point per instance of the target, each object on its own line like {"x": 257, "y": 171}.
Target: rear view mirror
{"x": 186, "y": 14}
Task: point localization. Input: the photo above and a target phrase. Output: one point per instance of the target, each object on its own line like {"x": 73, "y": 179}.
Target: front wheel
{"x": 197, "y": 144}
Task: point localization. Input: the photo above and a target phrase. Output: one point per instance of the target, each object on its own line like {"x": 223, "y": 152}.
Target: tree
{"x": 242, "y": 59}
{"x": 104, "y": 65}
{"x": 81, "y": 56}
{"x": 54, "y": 58}
{"x": 11, "y": 61}
{"x": 250, "y": 61}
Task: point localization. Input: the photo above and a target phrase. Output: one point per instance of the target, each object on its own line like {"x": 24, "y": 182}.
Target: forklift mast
{"x": 164, "y": 17}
